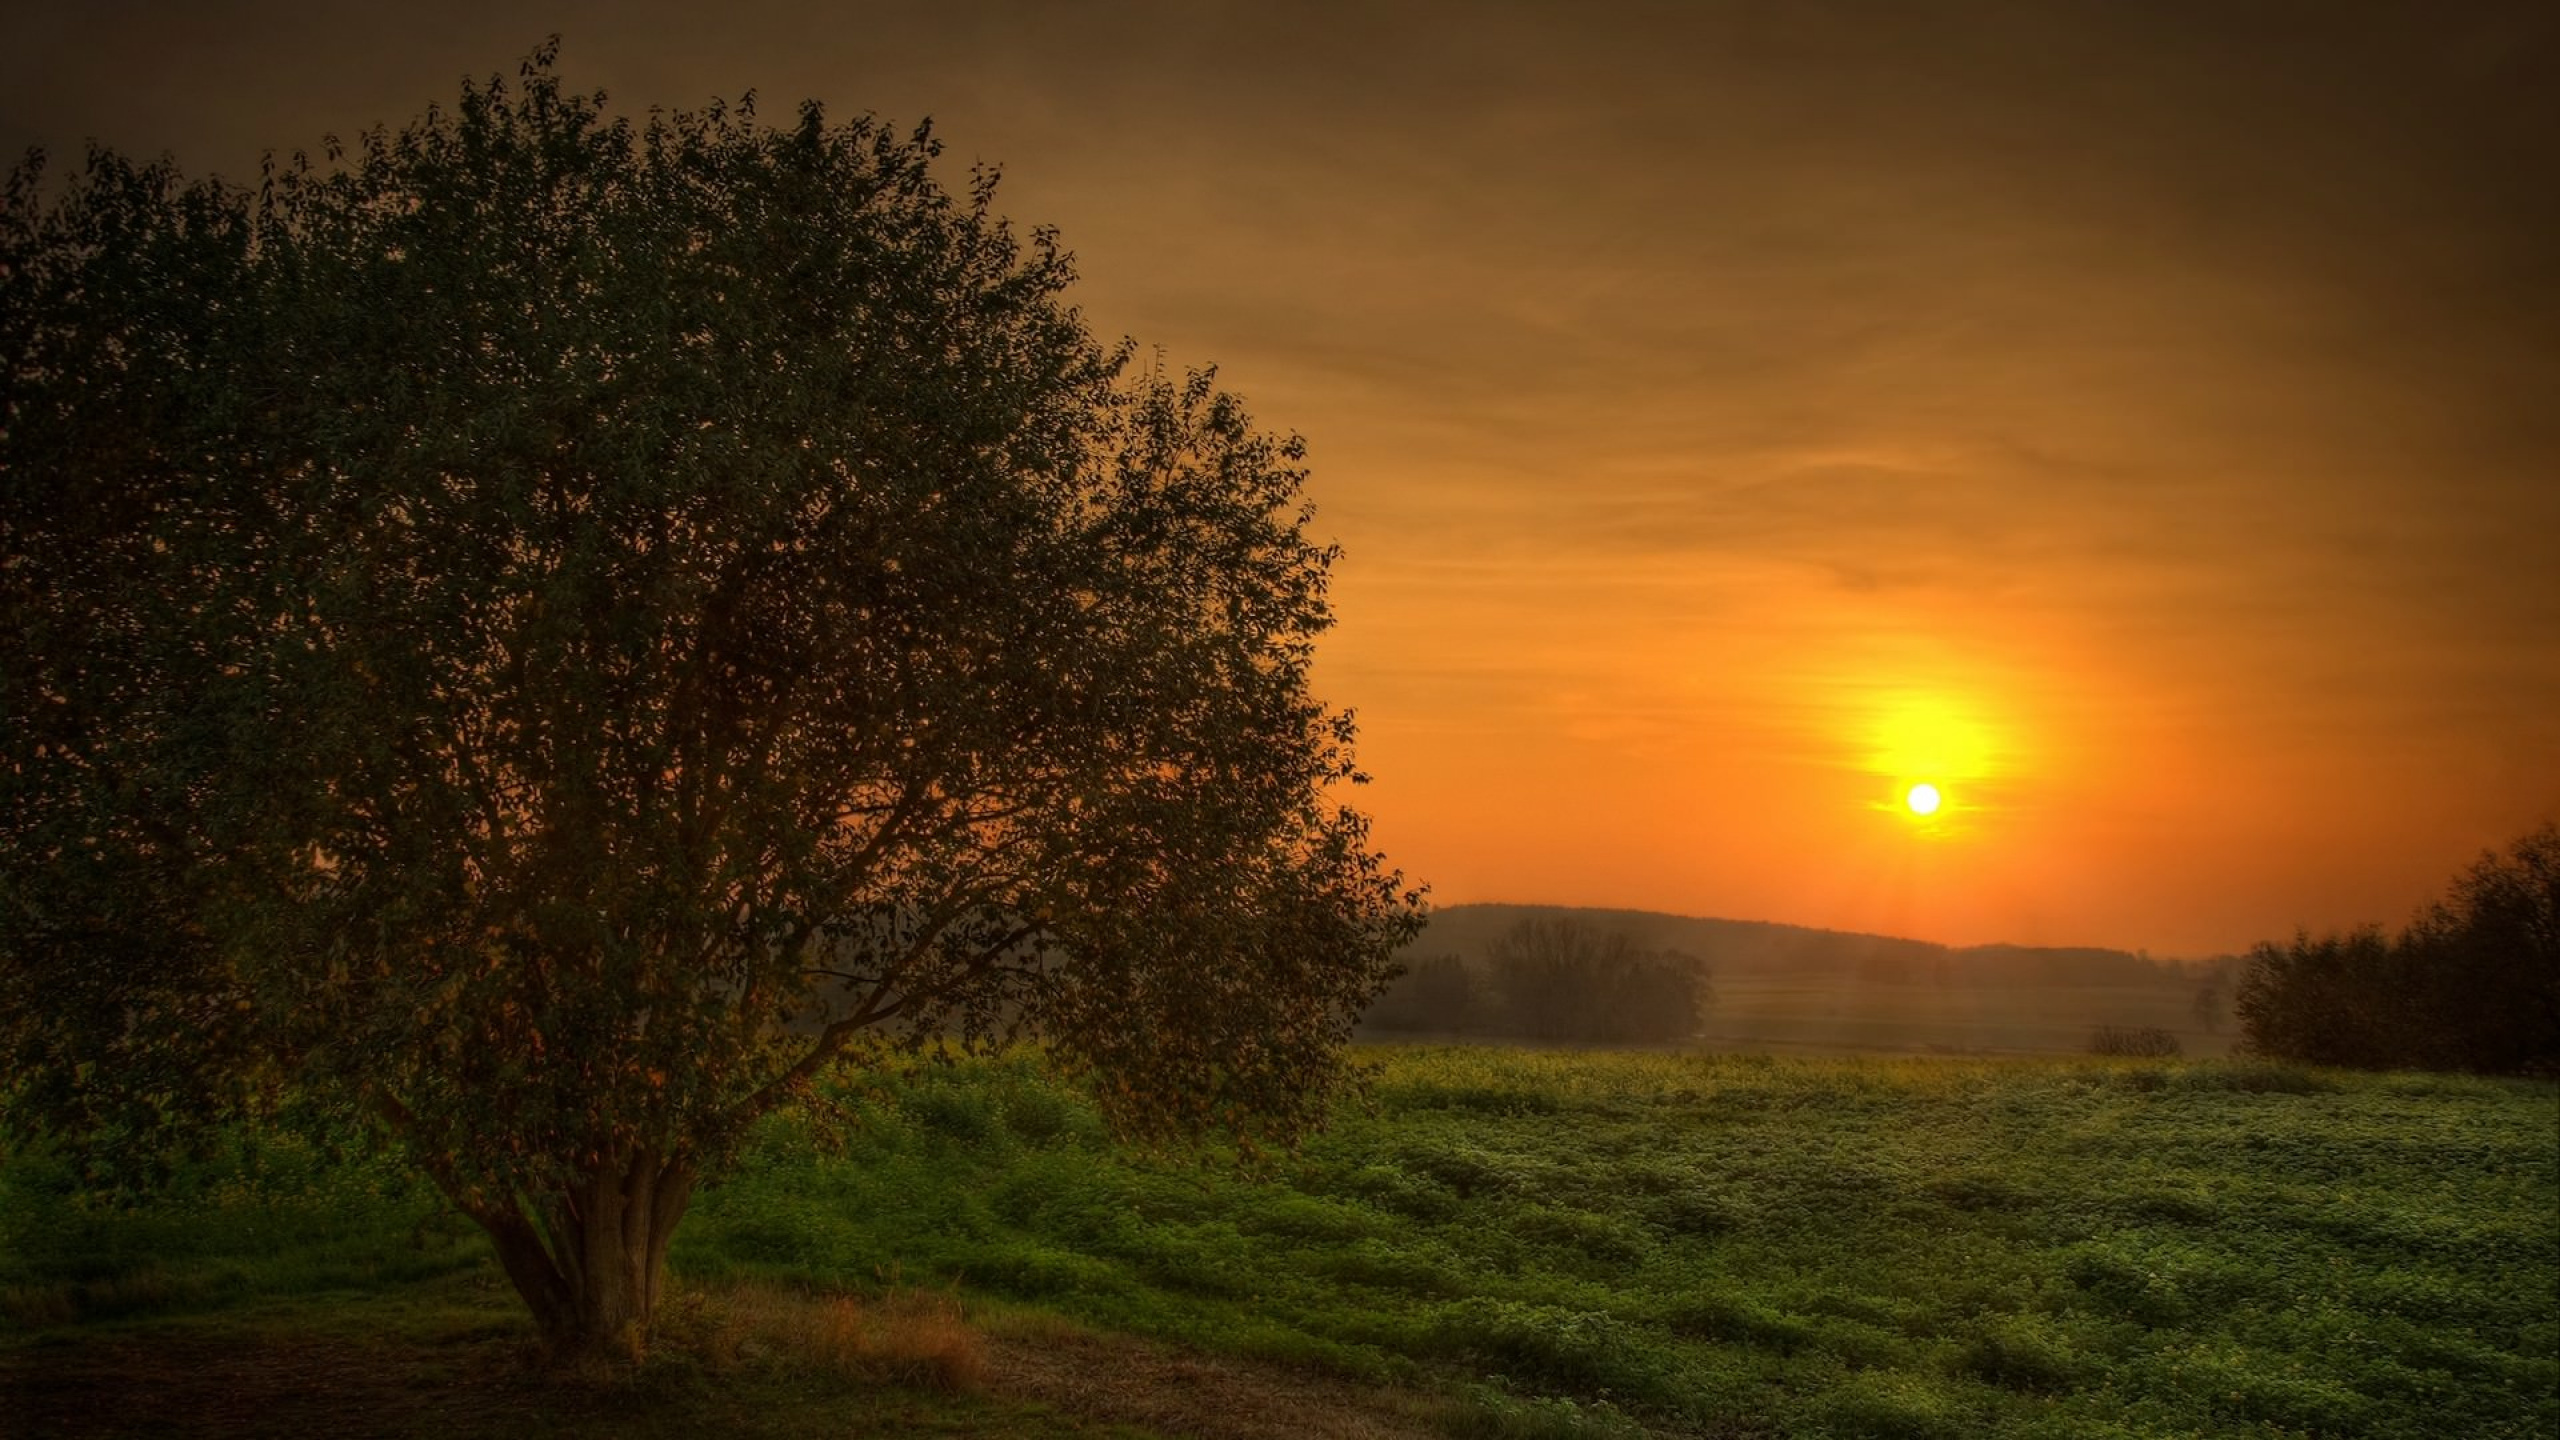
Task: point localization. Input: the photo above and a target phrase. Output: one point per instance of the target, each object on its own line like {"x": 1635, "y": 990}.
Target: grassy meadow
{"x": 1546, "y": 1244}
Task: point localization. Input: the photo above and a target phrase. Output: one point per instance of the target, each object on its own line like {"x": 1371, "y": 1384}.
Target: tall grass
{"x": 914, "y": 1338}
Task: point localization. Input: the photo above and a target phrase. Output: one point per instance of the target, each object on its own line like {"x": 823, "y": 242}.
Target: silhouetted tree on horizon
{"x": 2473, "y": 983}
{"x": 1432, "y": 993}
{"x": 1564, "y": 978}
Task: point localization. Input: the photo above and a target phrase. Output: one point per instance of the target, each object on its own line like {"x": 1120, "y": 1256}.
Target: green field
{"x": 1591, "y": 1243}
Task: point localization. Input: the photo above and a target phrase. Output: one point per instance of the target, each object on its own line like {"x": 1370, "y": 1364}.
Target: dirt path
{"x": 153, "y": 1382}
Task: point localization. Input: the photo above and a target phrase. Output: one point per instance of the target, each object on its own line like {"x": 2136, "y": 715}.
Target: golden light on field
{"x": 1922, "y": 798}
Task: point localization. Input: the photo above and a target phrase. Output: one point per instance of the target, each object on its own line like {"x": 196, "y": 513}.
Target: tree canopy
{"x": 2472, "y": 983}
{"x": 557, "y": 630}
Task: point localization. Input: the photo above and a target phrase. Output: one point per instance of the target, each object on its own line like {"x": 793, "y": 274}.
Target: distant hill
{"x": 1739, "y": 949}
{"x": 1792, "y": 988}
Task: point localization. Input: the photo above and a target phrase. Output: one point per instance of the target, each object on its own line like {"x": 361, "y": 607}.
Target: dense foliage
{"x": 553, "y": 632}
{"x": 1711, "y": 1245}
{"x": 2473, "y": 983}
{"x": 1554, "y": 978}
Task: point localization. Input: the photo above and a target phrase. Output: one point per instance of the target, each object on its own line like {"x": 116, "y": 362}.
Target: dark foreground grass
{"x": 1592, "y": 1243}
{"x": 449, "y": 1358}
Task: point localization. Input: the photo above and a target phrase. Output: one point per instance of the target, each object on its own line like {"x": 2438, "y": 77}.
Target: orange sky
{"x": 2143, "y": 424}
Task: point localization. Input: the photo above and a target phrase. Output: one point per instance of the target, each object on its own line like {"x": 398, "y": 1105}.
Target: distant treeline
{"x": 2473, "y": 983}
{"x": 1552, "y": 978}
{"x": 1739, "y": 948}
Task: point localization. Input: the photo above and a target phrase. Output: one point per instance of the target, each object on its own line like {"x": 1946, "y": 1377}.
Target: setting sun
{"x": 1923, "y": 799}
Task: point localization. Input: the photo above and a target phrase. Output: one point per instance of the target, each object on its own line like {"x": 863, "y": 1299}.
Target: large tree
{"x": 559, "y": 631}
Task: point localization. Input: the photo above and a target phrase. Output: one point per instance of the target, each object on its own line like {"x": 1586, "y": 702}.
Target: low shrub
{"x": 2146, "y": 1042}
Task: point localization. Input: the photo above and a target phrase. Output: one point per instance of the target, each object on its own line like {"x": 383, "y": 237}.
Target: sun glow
{"x": 1928, "y": 735}
{"x": 1934, "y": 754}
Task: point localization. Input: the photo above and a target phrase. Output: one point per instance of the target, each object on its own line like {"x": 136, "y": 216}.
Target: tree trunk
{"x": 590, "y": 1260}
